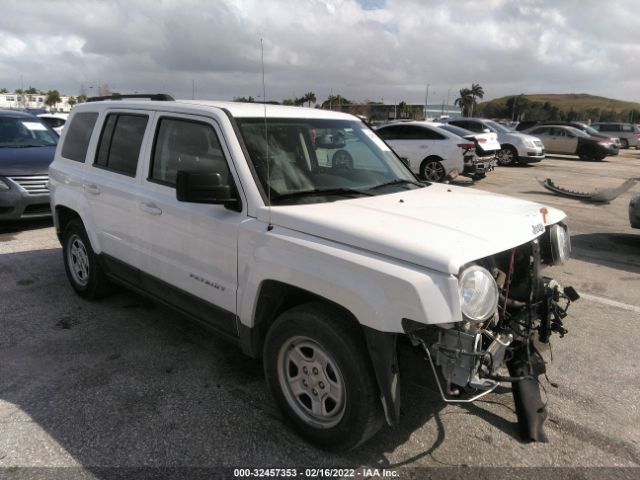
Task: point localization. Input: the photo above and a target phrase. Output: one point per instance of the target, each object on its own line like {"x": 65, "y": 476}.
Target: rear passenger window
{"x": 79, "y": 132}
{"x": 120, "y": 142}
{"x": 189, "y": 146}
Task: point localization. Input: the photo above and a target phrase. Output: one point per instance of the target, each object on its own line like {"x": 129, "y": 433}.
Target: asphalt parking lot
{"x": 125, "y": 383}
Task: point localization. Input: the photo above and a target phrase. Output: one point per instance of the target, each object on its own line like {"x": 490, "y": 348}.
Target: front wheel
{"x": 507, "y": 156}
{"x": 317, "y": 367}
{"x": 432, "y": 170}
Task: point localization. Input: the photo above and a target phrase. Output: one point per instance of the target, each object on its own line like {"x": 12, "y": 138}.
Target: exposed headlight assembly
{"x": 3, "y": 186}
{"x": 478, "y": 293}
{"x": 560, "y": 243}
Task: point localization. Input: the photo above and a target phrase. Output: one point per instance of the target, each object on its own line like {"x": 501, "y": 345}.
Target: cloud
{"x": 365, "y": 49}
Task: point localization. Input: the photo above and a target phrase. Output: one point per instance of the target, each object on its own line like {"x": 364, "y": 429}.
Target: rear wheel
{"x": 624, "y": 143}
{"x": 317, "y": 367}
{"x": 432, "y": 169}
{"x": 81, "y": 263}
{"x": 507, "y": 156}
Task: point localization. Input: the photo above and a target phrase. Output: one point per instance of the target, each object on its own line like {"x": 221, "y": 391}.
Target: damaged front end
{"x": 525, "y": 308}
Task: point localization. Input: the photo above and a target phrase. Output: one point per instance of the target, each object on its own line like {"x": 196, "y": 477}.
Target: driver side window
{"x": 186, "y": 145}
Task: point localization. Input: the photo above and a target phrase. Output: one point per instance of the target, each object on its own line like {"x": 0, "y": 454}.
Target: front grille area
{"x": 39, "y": 208}
{"x": 33, "y": 184}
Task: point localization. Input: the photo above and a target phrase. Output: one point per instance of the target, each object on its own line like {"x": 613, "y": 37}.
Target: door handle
{"x": 150, "y": 208}
{"x": 91, "y": 188}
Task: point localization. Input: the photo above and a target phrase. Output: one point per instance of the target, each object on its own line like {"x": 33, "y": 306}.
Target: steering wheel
{"x": 342, "y": 160}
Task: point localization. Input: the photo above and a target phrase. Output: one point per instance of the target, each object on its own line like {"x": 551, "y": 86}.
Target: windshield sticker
{"x": 376, "y": 140}
{"x": 34, "y": 126}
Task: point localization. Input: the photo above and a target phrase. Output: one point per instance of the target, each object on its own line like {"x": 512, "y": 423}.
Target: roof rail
{"x": 162, "y": 97}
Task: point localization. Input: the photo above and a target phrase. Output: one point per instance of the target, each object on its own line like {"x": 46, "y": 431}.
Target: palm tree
{"x": 465, "y": 101}
{"x": 53, "y": 97}
{"x": 310, "y": 97}
{"x": 476, "y": 91}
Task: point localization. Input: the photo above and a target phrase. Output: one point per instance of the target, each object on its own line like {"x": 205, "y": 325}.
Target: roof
{"x": 237, "y": 109}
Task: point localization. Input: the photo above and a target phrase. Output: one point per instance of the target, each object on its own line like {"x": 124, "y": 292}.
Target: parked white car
{"x": 481, "y": 159}
{"x": 55, "y": 120}
{"x": 224, "y": 212}
{"x": 432, "y": 153}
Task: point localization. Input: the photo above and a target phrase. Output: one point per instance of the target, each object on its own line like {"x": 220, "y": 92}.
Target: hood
{"x": 26, "y": 161}
{"x": 440, "y": 227}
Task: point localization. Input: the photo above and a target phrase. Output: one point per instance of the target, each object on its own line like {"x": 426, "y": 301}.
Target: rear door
{"x": 189, "y": 250}
{"x": 112, "y": 186}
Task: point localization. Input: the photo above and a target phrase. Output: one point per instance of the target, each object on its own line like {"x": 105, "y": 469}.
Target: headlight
{"x": 529, "y": 143}
{"x": 604, "y": 144}
{"x": 560, "y": 243}
{"x": 478, "y": 293}
{"x": 3, "y": 186}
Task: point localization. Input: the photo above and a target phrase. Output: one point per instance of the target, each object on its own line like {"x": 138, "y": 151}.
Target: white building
{"x": 32, "y": 100}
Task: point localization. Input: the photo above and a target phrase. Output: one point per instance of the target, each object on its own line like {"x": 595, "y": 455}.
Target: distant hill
{"x": 568, "y": 106}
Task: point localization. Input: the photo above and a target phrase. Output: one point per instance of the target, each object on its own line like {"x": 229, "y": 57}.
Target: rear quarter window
{"x": 78, "y": 136}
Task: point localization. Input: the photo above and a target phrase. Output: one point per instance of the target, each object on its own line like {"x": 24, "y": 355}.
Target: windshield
{"x": 591, "y": 131}
{"x": 21, "y": 132}
{"x": 497, "y": 127}
{"x": 318, "y": 160}
{"x": 578, "y": 132}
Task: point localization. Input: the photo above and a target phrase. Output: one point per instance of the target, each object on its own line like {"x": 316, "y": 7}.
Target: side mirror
{"x": 201, "y": 187}
{"x": 486, "y": 130}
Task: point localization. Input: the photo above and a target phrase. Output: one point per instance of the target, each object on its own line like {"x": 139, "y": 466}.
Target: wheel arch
{"x": 276, "y": 297}
{"x": 429, "y": 159}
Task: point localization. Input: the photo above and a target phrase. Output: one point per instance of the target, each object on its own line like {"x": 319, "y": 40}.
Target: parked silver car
{"x": 516, "y": 147}
{"x": 628, "y": 133}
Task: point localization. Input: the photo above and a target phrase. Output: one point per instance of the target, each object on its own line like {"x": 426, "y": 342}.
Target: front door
{"x": 190, "y": 247}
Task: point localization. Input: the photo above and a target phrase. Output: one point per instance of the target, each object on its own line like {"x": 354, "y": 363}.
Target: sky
{"x": 378, "y": 50}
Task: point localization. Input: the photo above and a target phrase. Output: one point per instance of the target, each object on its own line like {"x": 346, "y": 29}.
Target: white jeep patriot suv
{"x": 248, "y": 219}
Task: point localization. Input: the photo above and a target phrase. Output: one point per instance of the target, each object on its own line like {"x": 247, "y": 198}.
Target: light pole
{"x": 426, "y": 102}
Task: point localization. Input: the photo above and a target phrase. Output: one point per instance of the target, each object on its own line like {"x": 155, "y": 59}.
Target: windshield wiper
{"x": 322, "y": 191}
{"x": 30, "y": 146}
{"x": 398, "y": 181}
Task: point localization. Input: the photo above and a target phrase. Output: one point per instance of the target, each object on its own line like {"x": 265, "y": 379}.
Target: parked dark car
{"x": 579, "y": 125}
{"x": 634, "y": 211}
{"x": 27, "y": 147}
{"x": 571, "y": 141}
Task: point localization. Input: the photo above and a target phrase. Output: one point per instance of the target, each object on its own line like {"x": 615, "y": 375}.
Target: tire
{"x": 81, "y": 263}
{"x": 624, "y": 143}
{"x": 507, "y": 156}
{"x": 586, "y": 154}
{"x": 432, "y": 170}
{"x": 318, "y": 369}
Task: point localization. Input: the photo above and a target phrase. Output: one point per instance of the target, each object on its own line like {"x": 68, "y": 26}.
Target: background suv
{"x": 516, "y": 147}
{"x": 628, "y": 133}
{"x": 27, "y": 147}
